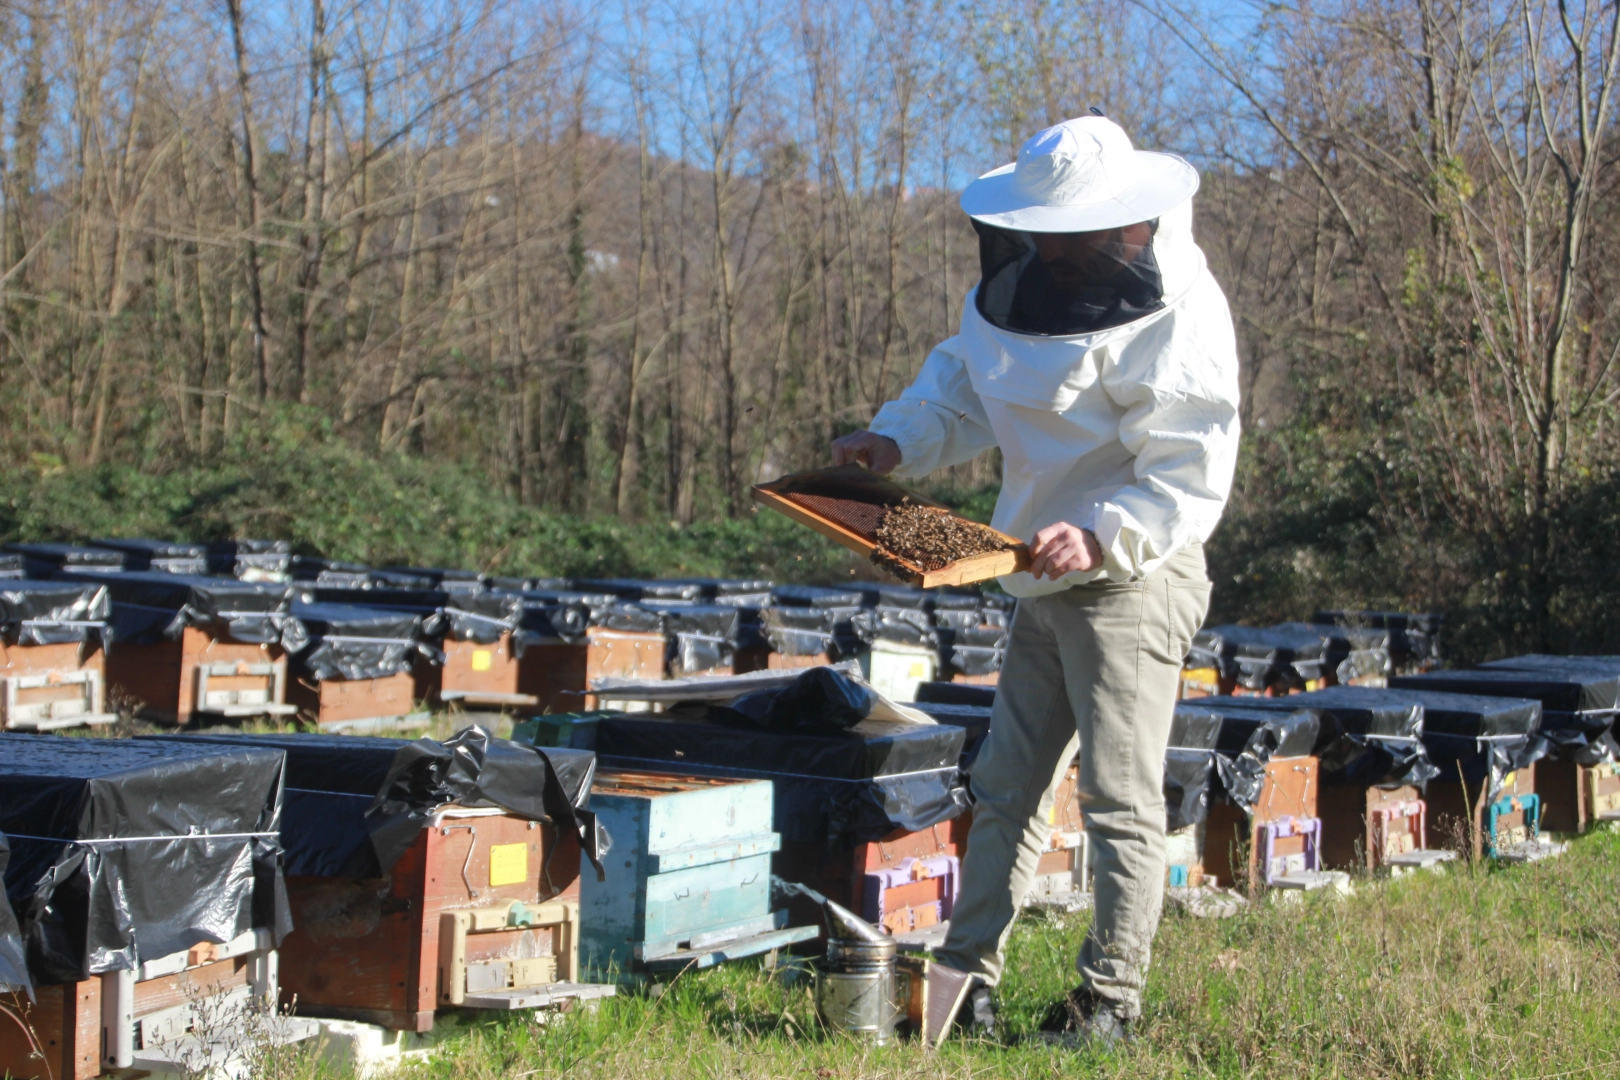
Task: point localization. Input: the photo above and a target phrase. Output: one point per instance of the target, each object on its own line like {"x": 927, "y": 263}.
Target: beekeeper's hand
{"x": 1062, "y": 549}
{"x": 877, "y": 452}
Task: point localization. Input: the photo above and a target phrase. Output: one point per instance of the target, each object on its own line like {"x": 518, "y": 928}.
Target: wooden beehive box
{"x": 863, "y": 877}
{"x": 77, "y": 1025}
{"x": 1363, "y": 826}
{"x": 1459, "y": 813}
{"x": 201, "y": 673}
{"x": 383, "y": 951}
{"x": 559, "y": 674}
{"x": 688, "y": 878}
{"x": 1233, "y": 838}
{"x": 46, "y": 687}
{"x": 846, "y": 503}
{"x": 356, "y": 704}
{"x": 1577, "y": 797}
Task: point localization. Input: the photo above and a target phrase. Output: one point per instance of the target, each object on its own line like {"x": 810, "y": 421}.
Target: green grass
{"x": 1478, "y": 973}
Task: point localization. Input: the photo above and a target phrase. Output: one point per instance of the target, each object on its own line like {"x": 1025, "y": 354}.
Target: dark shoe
{"x": 977, "y": 1017}
{"x": 1083, "y": 1020}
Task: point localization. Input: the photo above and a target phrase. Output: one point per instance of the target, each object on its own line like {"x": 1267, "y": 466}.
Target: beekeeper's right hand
{"x": 877, "y": 452}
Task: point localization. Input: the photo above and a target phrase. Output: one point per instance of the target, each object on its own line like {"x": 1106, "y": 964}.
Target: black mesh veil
{"x": 1019, "y": 293}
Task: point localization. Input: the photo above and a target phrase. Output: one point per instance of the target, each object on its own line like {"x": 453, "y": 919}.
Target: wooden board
{"x": 369, "y": 949}
{"x": 845, "y": 503}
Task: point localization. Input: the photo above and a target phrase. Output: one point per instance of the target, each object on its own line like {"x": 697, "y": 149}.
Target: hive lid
{"x": 1565, "y": 690}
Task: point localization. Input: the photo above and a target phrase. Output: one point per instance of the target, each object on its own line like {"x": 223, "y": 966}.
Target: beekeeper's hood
{"x": 1084, "y": 232}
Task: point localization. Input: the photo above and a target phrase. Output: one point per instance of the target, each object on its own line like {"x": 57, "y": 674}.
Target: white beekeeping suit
{"x": 1129, "y": 430}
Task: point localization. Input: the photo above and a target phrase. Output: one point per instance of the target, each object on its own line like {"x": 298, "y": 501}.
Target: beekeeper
{"x": 1098, "y": 353}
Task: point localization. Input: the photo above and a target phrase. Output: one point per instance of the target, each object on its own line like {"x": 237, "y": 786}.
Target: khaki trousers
{"x": 1093, "y": 668}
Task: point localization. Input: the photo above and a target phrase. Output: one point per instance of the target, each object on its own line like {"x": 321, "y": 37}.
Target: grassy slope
{"x": 1479, "y": 973}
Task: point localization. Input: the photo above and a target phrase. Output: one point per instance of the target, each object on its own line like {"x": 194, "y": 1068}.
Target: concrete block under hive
{"x": 688, "y": 879}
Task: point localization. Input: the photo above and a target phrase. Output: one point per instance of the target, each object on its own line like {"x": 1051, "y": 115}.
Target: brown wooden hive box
{"x": 201, "y": 674}
{"x": 43, "y": 687}
{"x": 440, "y": 928}
{"x": 69, "y": 1023}
{"x": 1232, "y": 836}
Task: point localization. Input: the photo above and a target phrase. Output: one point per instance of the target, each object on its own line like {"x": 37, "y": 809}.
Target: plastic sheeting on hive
{"x": 151, "y": 606}
{"x": 1219, "y": 748}
{"x": 167, "y": 556}
{"x": 13, "y": 955}
{"x": 347, "y": 641}
{"x": 842, "y": 786}
{"x": 127, "y": 850}
{"x": 45, "y": 560}
{"x": 53, "y": 612}
{"x": 356, "y": 803}
{"x": 1578, "y": 706}
{"x": 251, "y": 560}
{"x": 1480, "y": 738}
{"x": 1586, "y": 738}
{"x": 1262, "y": 658}
{"x": 1368, "y": 737}
{"x": 704, "y": 636}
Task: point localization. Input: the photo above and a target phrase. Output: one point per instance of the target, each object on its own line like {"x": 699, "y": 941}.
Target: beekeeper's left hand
{"x": 1062, "y": 549}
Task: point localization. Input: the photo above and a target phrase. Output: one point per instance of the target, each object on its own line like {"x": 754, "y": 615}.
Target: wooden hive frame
{"x": 844, "y": 504}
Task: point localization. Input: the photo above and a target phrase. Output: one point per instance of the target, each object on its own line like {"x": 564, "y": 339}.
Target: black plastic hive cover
{"x": 45, "y": 559}
{"x": 13, "y": 954}
{"x": 1366, "y": 737}
{"x": 974, "y": 719}
{"x": 640, "y": 589}
{"x": 356, "y": 803}
{"x": 151, "y": 606}
{"x": 129, "y": 850}
{"x": 817, "y": 596}
{"x": 1565, "y": 690}
{"x": 1235, "y": 741}
{"x": 838, "y": 786}
{"x": 954, "y": 693}
{"x": 347, "y": 641}
{"x": 11, "y": 564}
{"x": 36, "y": 612}
{"x": 154, "y": 549}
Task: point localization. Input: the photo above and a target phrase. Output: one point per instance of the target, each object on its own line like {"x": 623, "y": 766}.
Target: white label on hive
{"x": 508, "y": 863}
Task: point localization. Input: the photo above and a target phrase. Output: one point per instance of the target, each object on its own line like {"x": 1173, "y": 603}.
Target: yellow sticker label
{"x": 508, "y": 863}
{"x": 481, "y": 659}
{"x": 1510, "y": 779}
{"x": 918, "y": 671}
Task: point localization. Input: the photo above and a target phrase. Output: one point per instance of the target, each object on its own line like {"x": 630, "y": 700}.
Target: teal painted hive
{"x": 688, "y": 876}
